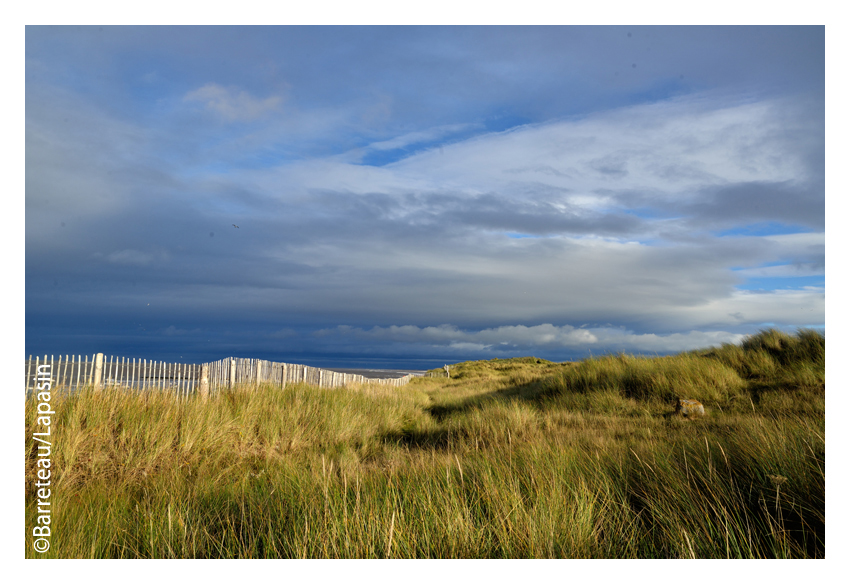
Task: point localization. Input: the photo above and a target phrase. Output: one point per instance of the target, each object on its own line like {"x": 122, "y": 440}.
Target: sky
{"x": 412, "y": 196}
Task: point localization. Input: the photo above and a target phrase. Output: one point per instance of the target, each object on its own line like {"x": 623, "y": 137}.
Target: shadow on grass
{"x": 445, "y": 438}
{"x": 531, "y": 392}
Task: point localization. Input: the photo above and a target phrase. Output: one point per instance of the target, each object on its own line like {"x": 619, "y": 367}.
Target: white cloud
{"x": 669, "y": 148}
{"x": 791, "y": 307}
{"x": 233, "y": 104}
{"x": 544, "y": 336}
{"x": 658, "y": 155}
{"x": 428, "y": 135}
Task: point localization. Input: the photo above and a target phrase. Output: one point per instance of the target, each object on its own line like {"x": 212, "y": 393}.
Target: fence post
{"x": 259, "y": 371}
{"x": 232, "y": 372}
{"x": 98, "y": 370}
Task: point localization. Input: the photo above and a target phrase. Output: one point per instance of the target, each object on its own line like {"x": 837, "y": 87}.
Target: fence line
{"x": 184, "y": 379}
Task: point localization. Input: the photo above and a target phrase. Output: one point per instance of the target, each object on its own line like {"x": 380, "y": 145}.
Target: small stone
{"x": 689, "y": 408}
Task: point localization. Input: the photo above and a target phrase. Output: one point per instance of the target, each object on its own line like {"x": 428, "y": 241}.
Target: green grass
{"x": 512, "y": 458}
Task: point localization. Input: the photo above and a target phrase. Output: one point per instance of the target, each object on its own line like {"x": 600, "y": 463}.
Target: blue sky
{"x": 413, "y": 196}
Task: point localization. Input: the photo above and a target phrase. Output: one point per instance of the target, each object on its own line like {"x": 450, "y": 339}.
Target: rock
{"x": 689, "y": 408}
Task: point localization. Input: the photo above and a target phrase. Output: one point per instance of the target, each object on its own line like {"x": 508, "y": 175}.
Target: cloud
{"x": 429, "y": 239}
{"x": 513, "y": 339}
{"x": 701, "y": 162}
{"x": 132, "y": 257}
{"x": 429, "y": 135}
{"x": 668, "y": 150}
{"x": 233, "y": 104}
{"x": 789, "y": 202}
{"x": 78, "y": 162}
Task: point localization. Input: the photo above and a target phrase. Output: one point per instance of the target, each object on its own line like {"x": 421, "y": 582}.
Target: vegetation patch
{"x": 508, "y": 458}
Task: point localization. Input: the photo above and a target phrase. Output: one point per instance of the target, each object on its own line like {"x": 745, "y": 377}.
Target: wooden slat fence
{"x": 76, "y": 371}
{"x": 230, "y": 371}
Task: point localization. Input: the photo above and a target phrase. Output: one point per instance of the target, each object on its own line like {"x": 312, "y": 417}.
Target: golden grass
{"x": 507, "y": 459}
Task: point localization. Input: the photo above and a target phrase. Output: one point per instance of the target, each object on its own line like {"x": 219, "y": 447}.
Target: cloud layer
{"x": 492, "y": 214}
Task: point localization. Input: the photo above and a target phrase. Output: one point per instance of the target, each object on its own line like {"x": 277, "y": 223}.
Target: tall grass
{"x": 507, "y": 459}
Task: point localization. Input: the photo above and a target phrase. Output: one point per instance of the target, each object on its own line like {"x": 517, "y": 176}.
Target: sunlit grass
{"x": 506, "y": 459}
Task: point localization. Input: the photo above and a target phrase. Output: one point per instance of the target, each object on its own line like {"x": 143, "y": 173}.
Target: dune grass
{"x": 515, "y": 458}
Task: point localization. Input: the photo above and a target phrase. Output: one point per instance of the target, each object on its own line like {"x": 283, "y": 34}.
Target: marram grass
{"x": 518, "y": 458}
